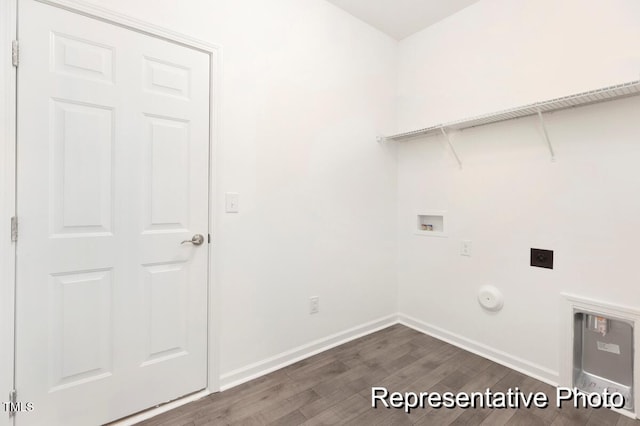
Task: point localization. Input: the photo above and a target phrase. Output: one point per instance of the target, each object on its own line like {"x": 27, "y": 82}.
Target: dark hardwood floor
{"x": 334, "y": 387}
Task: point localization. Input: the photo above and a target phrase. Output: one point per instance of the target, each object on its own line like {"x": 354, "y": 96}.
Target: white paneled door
{"x": 113, "y": 148}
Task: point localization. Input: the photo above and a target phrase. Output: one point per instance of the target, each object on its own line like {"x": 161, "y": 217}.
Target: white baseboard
{"x": 266, "y": 366}
{"x": 523, "y": 366}
{"x": 260, "y": 368}
{"x": 152, "y": 412}
{"x": 284, "y": 359}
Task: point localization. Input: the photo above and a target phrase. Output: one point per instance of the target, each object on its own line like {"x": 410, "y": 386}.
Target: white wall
{"x": 326, "y": 211}
{"x": 306, "y": 88}
{"x": 509, "y": 197}
{"x": 498, "y": 54}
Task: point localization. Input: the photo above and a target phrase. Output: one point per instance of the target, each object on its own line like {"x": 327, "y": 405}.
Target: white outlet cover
{"x": 314, "y": 305}
{"x": 490, "y": 298}
{"x": 465, "y": 248}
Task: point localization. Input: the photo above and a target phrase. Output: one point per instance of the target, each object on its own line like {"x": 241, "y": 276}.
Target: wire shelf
{"x": 580, "y": 99}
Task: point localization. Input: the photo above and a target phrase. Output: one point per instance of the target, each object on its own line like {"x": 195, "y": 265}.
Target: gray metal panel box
{"x": 603, "y": 355}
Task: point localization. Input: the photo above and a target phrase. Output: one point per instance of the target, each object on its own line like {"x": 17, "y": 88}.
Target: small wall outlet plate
{"x": 542, "y": 258}
{"x": 465, "y": 248}
{"x": 314, "y": 305}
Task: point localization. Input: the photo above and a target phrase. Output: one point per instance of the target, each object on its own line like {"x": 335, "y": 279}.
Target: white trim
{"x": 93, "y": 11}
{"x": 571, "y": 303}
{"x": 276, "y": 362}
{"x": 152, "y": 412}
{"x": 523, "y": 366}
{"x": 8, "y": 9}
{"x": 8, "y": 22}
{"x": 214, "y": 320}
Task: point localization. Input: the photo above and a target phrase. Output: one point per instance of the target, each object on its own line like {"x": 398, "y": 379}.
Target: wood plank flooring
{"x": 334, "y": 387}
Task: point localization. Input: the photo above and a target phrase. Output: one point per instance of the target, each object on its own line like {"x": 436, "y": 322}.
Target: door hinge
{"x": 13, "y": 399}
{"x": 15, "y": 53}
{"x": 14, "y": 228}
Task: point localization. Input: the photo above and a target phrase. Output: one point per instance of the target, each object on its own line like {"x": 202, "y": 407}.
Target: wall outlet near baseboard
{"x": 465, "y": 248}
{"x": 314, "y": 305}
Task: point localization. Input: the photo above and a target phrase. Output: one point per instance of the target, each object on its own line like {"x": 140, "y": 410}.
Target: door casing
{"x": 8, "y": 31}
{"x": 8, "y": 112}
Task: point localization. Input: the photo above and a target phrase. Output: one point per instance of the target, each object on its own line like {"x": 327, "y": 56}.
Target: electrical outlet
{"x": 314, "y": 305}
{"x": 465, "y": 248}
{"x": 542, "y": 258}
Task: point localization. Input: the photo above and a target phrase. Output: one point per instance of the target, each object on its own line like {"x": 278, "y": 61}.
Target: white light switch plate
{"x": 231, "y": 200}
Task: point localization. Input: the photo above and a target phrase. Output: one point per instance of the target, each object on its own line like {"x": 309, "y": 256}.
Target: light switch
{"x": 231, "y": 202}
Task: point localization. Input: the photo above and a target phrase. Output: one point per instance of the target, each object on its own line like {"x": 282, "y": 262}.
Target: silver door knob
{"x": 196, "y": 240}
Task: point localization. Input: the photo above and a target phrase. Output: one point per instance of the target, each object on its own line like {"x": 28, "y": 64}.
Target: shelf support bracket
{"x": 546, "y": 135}
{"x": 453, "y": 150}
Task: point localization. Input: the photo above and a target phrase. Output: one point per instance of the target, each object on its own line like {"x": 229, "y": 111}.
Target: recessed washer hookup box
{"x": 603, "y": 355}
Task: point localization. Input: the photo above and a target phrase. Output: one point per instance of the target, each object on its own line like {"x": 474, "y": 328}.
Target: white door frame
{"x": 8, "y": 32}
{"x": 8, "y": 111}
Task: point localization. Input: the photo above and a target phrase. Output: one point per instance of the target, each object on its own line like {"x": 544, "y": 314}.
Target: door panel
{"x": 82, "y": 58}
{"x": 82, "y": 172}
{"x": 81, "y": 327}
{"x": 165, "y": 311}
{"x": 167, "y": 196}
{"x": 113, "y": 125}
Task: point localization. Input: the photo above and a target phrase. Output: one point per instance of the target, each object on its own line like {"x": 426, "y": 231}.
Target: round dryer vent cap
{"x": 490, "y": 298}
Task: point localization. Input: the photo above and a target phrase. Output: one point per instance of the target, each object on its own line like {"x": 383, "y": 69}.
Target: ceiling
{"x": 401, "y": 18}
